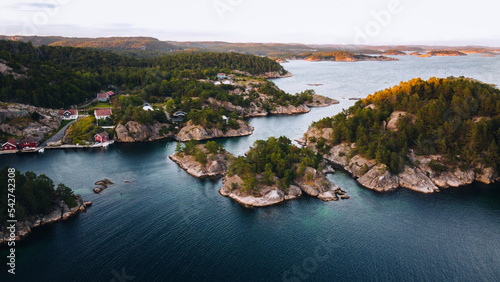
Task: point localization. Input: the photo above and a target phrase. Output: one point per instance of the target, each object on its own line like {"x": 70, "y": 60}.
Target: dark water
{"x": 168, "y": 226}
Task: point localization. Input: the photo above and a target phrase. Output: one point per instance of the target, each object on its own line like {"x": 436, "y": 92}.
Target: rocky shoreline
{"x": 197, "y": 132}
{"x": 314, "y": 183}
{"x": 419, "y": 177}
{"x": 60, "y": 212}
{"x": 215, "y": 168}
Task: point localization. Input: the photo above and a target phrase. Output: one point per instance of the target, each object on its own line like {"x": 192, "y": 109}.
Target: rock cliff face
{"x": 197, "y": 132}
{"x": 136, "y": 132}
{"x": 313, "y": 183}
{"x": 216, "y": 166}
{"x": 59, "y": 212}
{"x": 419, "y": 177}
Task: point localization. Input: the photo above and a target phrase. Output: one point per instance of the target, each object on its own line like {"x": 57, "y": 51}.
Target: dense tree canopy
{"x": 458, "y": 118}
{"x": 275, "y": 157}
{"x": 58, "y": 77}
{"x": 35, "y": 195}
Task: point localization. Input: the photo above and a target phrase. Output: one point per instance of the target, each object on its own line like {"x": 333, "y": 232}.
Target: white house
{"x": 68, "y": 114}
{"x": 147, "y": 107}
{"x": 102, "y": 113}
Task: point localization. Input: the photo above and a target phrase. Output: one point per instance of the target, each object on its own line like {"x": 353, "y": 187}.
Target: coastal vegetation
{"x": 35, "y": 195}
{"x": 273, "y": 161}
{"x": 83, "y": 130}
{"x": 58, "y": 77}
{"x": 456, "y": 118}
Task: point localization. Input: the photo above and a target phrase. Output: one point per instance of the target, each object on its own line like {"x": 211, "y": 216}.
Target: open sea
{"x": 157, "y": 223}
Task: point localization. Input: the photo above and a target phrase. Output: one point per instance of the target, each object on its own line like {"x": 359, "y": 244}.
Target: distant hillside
{"x": 109, "y": 43}
{"x": 150, "y": 47}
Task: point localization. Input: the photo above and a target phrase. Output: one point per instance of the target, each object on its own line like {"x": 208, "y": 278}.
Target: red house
{"x": 102, "y": 137}
{"x": 10, "y": 145}
{"x": 110, "y": 93}
{"x": 28, "y": 144}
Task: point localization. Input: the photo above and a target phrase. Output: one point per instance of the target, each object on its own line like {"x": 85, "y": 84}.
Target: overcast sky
{"x": 452, "y": 22}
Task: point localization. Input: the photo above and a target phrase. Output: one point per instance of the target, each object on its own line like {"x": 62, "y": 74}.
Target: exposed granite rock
{"x": 414, "y": 179}
{"x": 419, "y": 177}
{"x": 60, "y": 212}
{"x": 380, "y": 179}
{"x": 395, "y": 116}
{"x": 267, "y": 195}
{"x": 24, "y": 128}
{"x": 197, "y": 132}
{"x": 102, "y": 184}
{"x": 137, "y": 132}
{"x": 290, "y": 110}
{"x": 321, "y": 101}
{"x": 216, "y": 166}
{"x": 313, "y": 183}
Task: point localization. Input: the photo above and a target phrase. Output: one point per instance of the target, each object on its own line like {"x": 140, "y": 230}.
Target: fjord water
{"x": 157, "y": 223}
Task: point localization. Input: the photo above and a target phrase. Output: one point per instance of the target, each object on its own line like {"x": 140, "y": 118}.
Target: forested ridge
{"x": 58, "y": 77}
{"x": 458, "y": 118}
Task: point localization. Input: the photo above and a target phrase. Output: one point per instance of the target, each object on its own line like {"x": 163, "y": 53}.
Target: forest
{"x": 59, "y": 77}
{"x": 35, "y": 195}
{"x": 275, "y": 157}
{"x": 458, "y": 118}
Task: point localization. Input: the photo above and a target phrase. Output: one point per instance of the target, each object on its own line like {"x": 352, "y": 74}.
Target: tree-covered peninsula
{"x": 37, "y": 202}
{"x": 422, "y": 135}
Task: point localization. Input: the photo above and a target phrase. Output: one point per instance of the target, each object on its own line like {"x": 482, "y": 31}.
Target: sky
{"x": 370, "y": 22}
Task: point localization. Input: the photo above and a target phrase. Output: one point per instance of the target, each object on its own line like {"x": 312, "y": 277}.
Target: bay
{"x": 157, "y": 223}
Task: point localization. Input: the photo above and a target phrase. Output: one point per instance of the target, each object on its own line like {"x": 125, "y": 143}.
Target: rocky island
{"x": 209, "y": 161}
{"x": 420, "y": 135}
{"x": 274, "y": 171}
{"x": 443, "y": 53}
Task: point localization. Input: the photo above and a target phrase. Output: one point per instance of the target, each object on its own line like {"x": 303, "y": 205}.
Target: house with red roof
{"x": 102, "y": 97}
{"x": 110, "y": 93}
{"x": 29, "y": 144}
{"x": 102, "y": 113}
{"x": 68, "y": 114}
{"x": 10, "y": 145}
{"x": 102, "y": 137}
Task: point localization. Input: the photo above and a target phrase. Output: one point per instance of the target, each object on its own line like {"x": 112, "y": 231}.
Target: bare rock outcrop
{"x": 197, "y": 132}
{"x": 419, "y": 176}
{"x": 266, "y": 196}
{"x": 216, "y": 166}
{"x": 137, "y": 132}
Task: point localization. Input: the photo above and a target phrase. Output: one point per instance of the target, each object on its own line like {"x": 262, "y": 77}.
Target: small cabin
{"x": 102, "y": 137}
{"x": 10, "y": 145}
{"x": 179, "y": 116}
{"x": 221, "y": 76}
{"x": 68, "y": 114}
{"x": 102, "y": 97}
{"x": 110, "y": 93}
